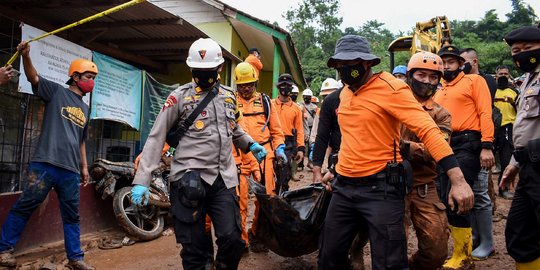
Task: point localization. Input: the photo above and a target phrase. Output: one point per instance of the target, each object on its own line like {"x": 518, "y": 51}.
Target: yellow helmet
{"x": 245, "y": 73}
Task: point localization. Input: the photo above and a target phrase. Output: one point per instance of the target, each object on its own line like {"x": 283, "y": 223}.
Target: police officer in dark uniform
{"x": 523, "y": 223}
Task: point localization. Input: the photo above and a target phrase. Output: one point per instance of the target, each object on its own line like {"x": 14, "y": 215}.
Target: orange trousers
{"x": 250, "y": 168}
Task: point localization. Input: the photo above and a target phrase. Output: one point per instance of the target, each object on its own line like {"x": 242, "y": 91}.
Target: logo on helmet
{"x": 202, "y": 53}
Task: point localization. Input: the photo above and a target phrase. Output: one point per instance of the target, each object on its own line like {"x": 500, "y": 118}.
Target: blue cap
{"x": 400, "y": 69}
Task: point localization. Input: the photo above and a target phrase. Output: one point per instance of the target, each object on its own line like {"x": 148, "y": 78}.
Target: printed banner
{"x": 117, "y": 93}
{"x": 155, "y": 94}
{"x": 51, "y": 56}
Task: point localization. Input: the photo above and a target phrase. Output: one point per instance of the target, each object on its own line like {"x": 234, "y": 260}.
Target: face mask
{"x": 294, "y": 97}
{"x": 205, "y": 79}
{"x": 307, "y": 100}
{"x": 285, "y": 90}
{"x": 450, "y": 75}
{"x": 527, "y": 61}
{"x": 502, "y": 82}
{"x": 467, "y": 68}
{"x": 352, "y": 75}
{"x": 85, "y": 86}
{"x": 423, "y": 90}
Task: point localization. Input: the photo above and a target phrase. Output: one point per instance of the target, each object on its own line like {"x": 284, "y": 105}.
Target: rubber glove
{"x": 311, "y": 151}
{"x": 280, "y": 152}
{"x": 137, "y": 194}
{"x": 258, "y": 151}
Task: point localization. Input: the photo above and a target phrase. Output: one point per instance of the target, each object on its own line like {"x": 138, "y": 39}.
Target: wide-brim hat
{"x": 352, "y": 47}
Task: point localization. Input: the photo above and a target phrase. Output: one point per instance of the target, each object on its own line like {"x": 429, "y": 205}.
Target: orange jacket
{"x": 468, "y": 100}
{"x": 370, "y": 124}
{"x": 290, "y": 116}
{"x": 255, "y": 62}
{"x": 254, "y": 120}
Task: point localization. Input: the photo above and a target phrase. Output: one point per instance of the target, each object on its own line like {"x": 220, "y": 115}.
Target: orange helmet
{"x": 81, "y": 66}
{"x": 426, "y": 60}
{"x": 314, "y": 99}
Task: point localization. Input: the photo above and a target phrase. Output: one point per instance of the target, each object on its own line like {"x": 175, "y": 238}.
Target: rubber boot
{"x": 485, "y": 233}
{"x": 474, "y": 225}
{"x": 461, "y": 257}
{"x": 534, "y": 265}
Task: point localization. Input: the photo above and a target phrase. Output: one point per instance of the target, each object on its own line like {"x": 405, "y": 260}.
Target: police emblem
{"x": 199, "y": 124}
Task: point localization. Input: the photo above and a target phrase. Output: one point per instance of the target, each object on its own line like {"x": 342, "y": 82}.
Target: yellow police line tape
{"x": 85, "y": 20}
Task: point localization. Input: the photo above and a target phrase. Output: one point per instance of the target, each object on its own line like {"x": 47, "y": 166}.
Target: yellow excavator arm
{"x": 428, "y": 36}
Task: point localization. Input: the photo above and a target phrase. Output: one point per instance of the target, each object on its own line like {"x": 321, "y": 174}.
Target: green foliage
{"x": 315, "y": 29}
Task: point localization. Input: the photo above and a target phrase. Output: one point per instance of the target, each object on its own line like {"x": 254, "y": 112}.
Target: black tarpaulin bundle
{"x": 290, "y": 224}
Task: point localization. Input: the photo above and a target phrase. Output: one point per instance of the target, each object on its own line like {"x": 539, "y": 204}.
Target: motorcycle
{"x": 141, "y": 222}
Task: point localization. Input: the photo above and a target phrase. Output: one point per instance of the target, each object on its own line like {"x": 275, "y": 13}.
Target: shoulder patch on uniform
{"x": 171, "y": 101}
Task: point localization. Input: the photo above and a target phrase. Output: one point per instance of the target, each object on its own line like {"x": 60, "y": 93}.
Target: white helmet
{"x": 329, "y": 83}
{"x": 204, "y": 53}
{"x": 295, "y": 89}
{"x": 307, "y": 92}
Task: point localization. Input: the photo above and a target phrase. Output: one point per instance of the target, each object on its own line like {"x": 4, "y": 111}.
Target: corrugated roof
{"x": 143, "y": 34}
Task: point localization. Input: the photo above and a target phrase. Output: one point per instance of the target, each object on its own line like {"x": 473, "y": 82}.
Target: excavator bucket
{"x": 290, "y": 224}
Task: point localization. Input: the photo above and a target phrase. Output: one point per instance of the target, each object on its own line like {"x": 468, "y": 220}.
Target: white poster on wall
{"x": 51, "y": 57}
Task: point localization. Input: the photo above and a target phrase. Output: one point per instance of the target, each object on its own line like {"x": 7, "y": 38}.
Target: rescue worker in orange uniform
{"x": 264, "y": 127}
{"x": 369, "y": 192}
{"x": 291, "y": 119}
{"x": 254, "y": 59}
{"x": 422, "y": 204}
{"x": 467, "y": 98}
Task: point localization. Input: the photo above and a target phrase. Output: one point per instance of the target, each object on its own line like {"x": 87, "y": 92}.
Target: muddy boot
{"x": 79, "y": 265}
{"x": 254, "y": 243}
{"x": 461, "y": 257}
{"x": 7, "y": 259}
{"x": 534, "y": 265}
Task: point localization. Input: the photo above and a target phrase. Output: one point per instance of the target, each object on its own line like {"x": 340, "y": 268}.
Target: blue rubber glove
{"x": 258, "y": 151}
{"x": 311, "y": 151}
{"x": 140, "y": 195}
{"x": 280, "y": 152}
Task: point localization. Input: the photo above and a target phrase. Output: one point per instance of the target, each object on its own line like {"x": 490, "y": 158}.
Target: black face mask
{"x": 527, "y": 61}
{"x": 502, "y": 82}
{"x": 467, "y": 67}
{"x": 450, "y": 75}
{"x": 422, "y": 90}
{"x": 285, "y": 90}
{"x": 307, "y": 100}
{"x": 205, "y": 79}
{"x": 352, "y": 75}
{"x": 294, "y": 97}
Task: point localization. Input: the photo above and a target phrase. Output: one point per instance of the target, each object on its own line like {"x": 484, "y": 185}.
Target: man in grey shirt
{"x": 59, "y": 160}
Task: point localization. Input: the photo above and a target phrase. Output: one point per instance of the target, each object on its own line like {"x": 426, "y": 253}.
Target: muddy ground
{"x": 163, "y": 253}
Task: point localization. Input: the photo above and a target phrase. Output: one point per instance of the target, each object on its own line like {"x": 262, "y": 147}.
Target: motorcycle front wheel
{"x": 143, "y": 222}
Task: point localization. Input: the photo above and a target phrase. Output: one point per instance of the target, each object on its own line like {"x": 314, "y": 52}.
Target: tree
{"x": 490, "y": 28}
{"x": 315, "y": 30}
{"x": 521, "y": 15}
